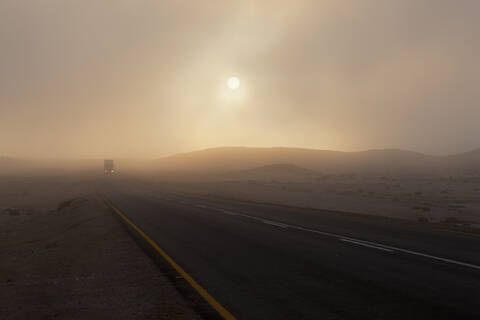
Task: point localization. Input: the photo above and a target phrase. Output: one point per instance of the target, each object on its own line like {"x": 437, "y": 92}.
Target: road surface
{"x": 272, "y": 262}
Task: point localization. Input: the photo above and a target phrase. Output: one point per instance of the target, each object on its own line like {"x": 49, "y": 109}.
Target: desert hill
{"x": 465, "y": 160}
{"x": 278, "y": 168}
{"x": 226, "y": 159}
{"x": 273, "y": 172}
{"x": 229, "y": 159}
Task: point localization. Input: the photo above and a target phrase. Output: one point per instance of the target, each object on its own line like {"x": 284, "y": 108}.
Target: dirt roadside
{"x": 77, "y": 261}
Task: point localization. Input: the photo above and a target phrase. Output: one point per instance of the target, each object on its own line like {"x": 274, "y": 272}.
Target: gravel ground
{"x": 76, "y": 261}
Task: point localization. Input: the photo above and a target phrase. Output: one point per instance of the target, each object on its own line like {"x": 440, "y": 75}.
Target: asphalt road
{"x": 272, "y": 262}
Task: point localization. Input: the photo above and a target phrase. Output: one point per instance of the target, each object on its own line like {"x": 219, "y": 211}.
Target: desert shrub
{"x": 451, "y": 220}
{"x": 12, "y": 211}
{"x": 456, "y": 206}
{"x": 422, "y": 208}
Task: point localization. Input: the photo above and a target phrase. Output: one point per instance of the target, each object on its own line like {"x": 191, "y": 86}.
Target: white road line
{"x": 428, "y": 256}
{"x": 366, "y": 245}
{"x": 227, "y": 212}
{"x": 392, "y": 248}
{"x": 277, "y": 224}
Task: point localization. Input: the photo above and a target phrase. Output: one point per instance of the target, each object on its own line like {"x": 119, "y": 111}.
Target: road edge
{"x": 220, "y": 311}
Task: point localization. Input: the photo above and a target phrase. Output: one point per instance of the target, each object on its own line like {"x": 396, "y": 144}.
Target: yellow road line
{"x": 205, "y": 295}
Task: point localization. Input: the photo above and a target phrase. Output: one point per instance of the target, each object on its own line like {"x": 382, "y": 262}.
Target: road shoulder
{"x": 78, "y": 262}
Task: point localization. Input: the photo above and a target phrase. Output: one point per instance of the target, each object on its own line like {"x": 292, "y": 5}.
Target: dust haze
{"x": 373, "y": 104}
{"x": 349, "y": 135}
{"x": 142, "y": 79}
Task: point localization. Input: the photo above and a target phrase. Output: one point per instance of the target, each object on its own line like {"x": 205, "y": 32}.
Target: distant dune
{"x": 466, "y": 160}
{"x": 278, "y": 168}
{"x": 274, "y": 172}
{"x": 227, "y": 159}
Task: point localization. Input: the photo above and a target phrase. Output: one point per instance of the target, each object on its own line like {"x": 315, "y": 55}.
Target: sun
{"x": 233, "y": 83}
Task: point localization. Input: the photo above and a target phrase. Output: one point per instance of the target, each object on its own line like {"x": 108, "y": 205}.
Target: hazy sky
{"x": 133, "y": 78}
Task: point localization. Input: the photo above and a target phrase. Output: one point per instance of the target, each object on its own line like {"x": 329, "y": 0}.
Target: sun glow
{"x": 232, "y": 92}
{"x": 233, "y": 83}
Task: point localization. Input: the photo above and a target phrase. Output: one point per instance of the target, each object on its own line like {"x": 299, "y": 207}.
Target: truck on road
{"x": 108, "y": 167}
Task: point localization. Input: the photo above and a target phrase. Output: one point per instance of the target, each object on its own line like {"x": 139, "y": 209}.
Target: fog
{"x": 95, "y": 79}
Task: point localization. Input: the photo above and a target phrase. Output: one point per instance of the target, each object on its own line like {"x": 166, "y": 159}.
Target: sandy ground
{"x": 63, "y": 255}
{"x": 436, "y": 199}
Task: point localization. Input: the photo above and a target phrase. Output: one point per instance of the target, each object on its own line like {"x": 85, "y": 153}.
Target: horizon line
{"x": 82, "y": 158}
